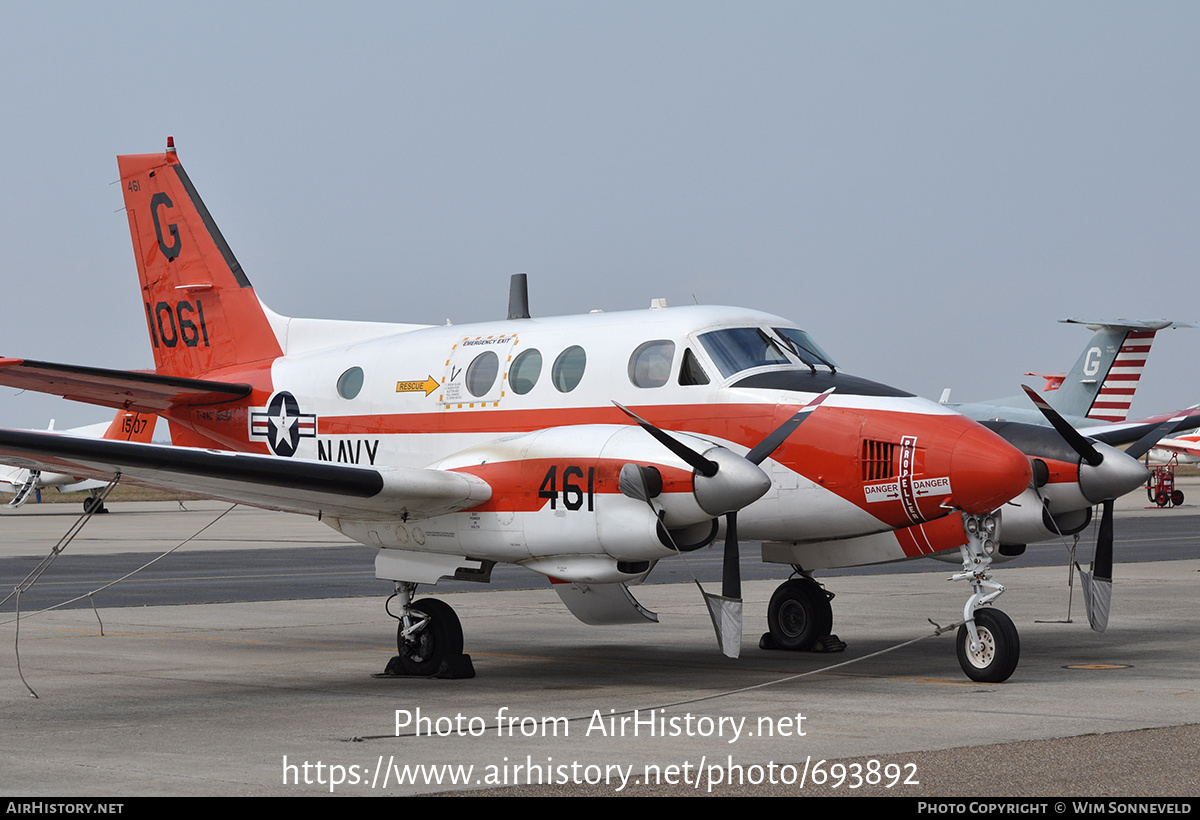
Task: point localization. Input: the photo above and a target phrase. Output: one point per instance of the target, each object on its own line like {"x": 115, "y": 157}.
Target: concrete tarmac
{"x": 279, "y": 698}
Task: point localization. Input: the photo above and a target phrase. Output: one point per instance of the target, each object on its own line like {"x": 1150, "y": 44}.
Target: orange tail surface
{"x": 128, "y": 426}
{"x": 201, "y": 311}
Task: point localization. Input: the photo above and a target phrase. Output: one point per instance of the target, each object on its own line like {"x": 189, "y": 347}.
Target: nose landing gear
{"x": 988, "y": 644}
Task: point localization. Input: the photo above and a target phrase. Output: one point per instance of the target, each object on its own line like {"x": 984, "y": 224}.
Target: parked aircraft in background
{"x": 25, "y": 483}
{"x": 1099, "y": 388}
{"x": 1185, "y": 449}
{"x": 453, "y": 448}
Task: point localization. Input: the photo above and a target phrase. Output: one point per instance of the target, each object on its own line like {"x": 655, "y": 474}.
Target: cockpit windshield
{"x": 805, "y": 347}
{"x": 734, "y": 350}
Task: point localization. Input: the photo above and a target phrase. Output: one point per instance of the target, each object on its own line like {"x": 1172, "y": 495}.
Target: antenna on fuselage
{"x": 518, "y": 297}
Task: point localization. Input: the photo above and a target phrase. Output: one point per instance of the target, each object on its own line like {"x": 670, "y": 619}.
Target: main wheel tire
{"x": 997, "y": 659}
{"x": 799, "y": 615}
{"x": 441, "y": 638}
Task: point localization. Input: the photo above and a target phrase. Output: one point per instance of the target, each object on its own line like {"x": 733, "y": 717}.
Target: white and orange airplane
{"x": 1099, "y": 388}
{"x": 453, "y": 448}
{"x": 24, "y": 483}
{"x": 1184, "y": 449}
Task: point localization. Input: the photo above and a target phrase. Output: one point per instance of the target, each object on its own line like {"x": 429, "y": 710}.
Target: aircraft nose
{"x": 1116, "y": 475}
{"x": 986, "y": 471}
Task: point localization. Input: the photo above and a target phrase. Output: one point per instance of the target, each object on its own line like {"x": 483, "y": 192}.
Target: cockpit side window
{"x": 690, "y": 371}
{"x": 742, "y": 348}
{"x": 650, "y": 364}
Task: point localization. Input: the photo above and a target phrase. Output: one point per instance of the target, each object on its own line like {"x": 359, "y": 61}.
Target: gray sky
{"x": 926, "y": 187}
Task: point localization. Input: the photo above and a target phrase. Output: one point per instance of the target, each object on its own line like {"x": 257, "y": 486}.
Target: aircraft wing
{"x": 1127, "y": 432}
{"x": 122, "y": 389}
{"x": 287, "y": 484}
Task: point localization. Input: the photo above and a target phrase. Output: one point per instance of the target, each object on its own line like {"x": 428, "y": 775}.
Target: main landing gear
{"x": 429, "y": 639}
{"x": 988, "y": 644}
{"x": 800, "y": 619}
{"x": 94, "y": 504}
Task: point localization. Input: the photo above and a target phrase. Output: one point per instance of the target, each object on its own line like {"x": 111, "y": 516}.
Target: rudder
{"x": 201, "y": 310}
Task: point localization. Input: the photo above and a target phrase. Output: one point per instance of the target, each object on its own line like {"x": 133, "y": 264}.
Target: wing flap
{"x": 270, "y": 482}
{"x": 122, "y": 389}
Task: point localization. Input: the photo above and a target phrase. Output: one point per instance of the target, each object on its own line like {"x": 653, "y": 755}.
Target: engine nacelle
{"x": 557, "y": 492}
{"x": 1027, "y": 519}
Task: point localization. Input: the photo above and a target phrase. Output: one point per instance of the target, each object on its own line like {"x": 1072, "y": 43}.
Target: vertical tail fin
{"x": 201, "y": 311}
{"x": 1104, "y": 379}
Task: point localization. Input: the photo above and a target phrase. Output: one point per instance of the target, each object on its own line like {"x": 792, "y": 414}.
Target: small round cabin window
{"x": 524, "y": 371}
{"x": 481, "y": 373}
{"x": 650, "y": 364}
{"x": 350, "y": 383}
{"x": 568, "y": 369}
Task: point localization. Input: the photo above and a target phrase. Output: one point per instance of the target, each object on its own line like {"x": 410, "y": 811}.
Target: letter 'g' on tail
{"x": 201, "y": 311}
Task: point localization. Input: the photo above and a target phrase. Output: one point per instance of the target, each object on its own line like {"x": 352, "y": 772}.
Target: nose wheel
{"x": 995, "y": 657}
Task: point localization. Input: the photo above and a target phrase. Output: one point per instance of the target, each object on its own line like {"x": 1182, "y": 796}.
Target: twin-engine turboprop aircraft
{"x": 585, "y": 448}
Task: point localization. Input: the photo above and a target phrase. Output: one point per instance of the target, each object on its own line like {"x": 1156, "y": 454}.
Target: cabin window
{"x": 523, "y": 373}
{"x": 568, "y": 369}
{"x": 481, "y": 373}
{"x": 350, "y": 383}
{"x": 650, "y": 364}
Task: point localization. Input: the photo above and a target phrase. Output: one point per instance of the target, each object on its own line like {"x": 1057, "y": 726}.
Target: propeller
{"x": 725, "y": 483}
{"x": 1087, "y": 451}
{"x": 1097, "y": 585}
{"x": 1104, "y": 483}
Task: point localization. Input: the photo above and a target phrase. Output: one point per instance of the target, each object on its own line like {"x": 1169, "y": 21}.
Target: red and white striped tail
{"x": 1116, "y": 393}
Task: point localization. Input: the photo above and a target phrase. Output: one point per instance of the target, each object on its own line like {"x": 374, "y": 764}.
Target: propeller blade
{"x": 696, "y": 461}
{"x": 1146, "y": 443}
{"x": 726, "y": 614}
{"x": 726, "y": 609}
{"x": 1103, "y": 560}
{"x": 731, "y": 569}
{"x": 771, "y": 443}
{"x": 1097, "y": 584}
{"x": 1072, "y": 436}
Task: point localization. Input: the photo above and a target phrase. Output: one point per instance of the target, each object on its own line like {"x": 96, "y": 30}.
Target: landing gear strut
{"x": 800, "y": 618}
{"x": 988, "y": 644}
{"x": 429, "y": 639}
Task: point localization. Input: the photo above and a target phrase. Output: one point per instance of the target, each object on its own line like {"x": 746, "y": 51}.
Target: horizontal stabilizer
{"x": 122, "y": 389}
{"x": 1127, "y": 324}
